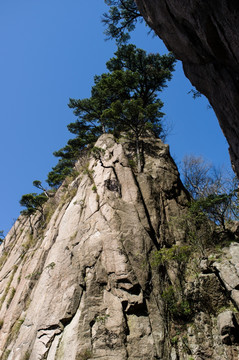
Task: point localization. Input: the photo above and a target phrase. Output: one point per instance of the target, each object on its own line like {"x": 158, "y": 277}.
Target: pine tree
{"x": 121, "y": 19}
{"x": 125, "y": 98}
{"x": 59, "y": 172}
{"x": 33, "y": 202}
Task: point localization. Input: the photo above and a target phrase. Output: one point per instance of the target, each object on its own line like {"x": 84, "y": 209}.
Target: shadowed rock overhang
{"x": 204, "y": 35}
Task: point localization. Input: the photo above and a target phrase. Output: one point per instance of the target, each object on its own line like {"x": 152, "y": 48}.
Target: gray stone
{"x": 228, "y": 327}
{"x": 85, "y": 284}
{"x": 204, "y": 35}
{"x": 92, "y": 290}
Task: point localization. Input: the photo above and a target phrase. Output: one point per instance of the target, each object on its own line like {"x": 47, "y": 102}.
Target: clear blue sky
{"x": 50, "y": 51}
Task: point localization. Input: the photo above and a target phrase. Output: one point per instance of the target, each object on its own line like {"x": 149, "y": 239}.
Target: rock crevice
{"x": 85, "y": 286}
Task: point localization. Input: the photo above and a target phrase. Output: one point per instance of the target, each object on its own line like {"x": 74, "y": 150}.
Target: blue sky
{"x": 50, "y": 51}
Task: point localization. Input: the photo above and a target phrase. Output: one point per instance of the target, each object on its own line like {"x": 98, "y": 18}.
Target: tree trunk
{"x": 139, "y": 165}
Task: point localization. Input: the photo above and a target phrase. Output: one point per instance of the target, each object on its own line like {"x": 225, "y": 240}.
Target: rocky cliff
{"x": 107, "y": 274}
{"x": 204, "y": 35}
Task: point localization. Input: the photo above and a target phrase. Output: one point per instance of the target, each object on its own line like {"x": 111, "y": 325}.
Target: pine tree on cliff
{"x": 121, "y": 19}
{"x": 33, "y": 202}
{"x": 125, "y": 98}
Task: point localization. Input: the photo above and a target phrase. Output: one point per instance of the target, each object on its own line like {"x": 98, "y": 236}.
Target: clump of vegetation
{"x": 97, "y": 152}
{"x": 132, "y": 163}
{"x": 69, "y": 178}
{"x": 33, "y": 276}
{"x": 102, "y": 318}
{"x": 84, "y": 355}
{"x": 16, "y": 327}
{"x": 177, "y": 253}
{"x": 12, "y": 336}
{"x": 50, "y": 266}
{"x": 29, "y": 243}
{"x": 1, "y": 323}
{"x": 38, "y": 185}
{"x": 3, "y": 258}
{"x": 8, "y": 286}
{"x": 176, "y": 304}
{"x": 89, "y": 173}
{"x": 26, "y": 356}
{"x": 11, "y": 295}
{"x": 68, "y": 196}
{"x": 94, "y": 188}
{"x": 5, "y": 354}
{"x": 213, "y": 206}
{"x": 174, "y": 340}
{"x": 121, "y": 19}
{"x": 49, "y": 209}
{"x": 214, "y": 192}
{"x": 59, "y": 172}
{"x": 124, "y": 99}
{"x": 178, "y": 308}
{"x": 33, "y": 202}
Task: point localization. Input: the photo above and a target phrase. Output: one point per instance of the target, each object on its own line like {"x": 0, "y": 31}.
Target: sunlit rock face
{"x": 84, "y": 284}
{"x": 204, "y": 35}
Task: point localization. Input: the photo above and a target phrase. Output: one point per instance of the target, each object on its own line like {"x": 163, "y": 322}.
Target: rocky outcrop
{"x": 84, "y": 284}
{"x": 204, "y": 35}
{"x": 228, "y": 271}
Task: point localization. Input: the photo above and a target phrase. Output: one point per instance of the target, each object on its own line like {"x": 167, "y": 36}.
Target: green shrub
{"x": 97, "y": 152}
{"x": 8, "y": 286}
{"x": 94, "y": 188}
{"x": 132, "y": 163}
{"x": 177, "y": 308}
{"x": 16, "y": 327}
{"x": 89, "y": 173}
{"x": 50, "y": 266}
{"x": 174, "y": 340}
{"x": 177, "y": 253}
{"x": 11, "y": 337}
{"x": 84, "y": 355}
{"x": 3, "y": 258}
{"x": 29, "y": 243}
{"x": 102, "y": 318}
{"x": 11, "y": 295}
{"x": 26, "y": 356}
{"x": 5, "y": 354}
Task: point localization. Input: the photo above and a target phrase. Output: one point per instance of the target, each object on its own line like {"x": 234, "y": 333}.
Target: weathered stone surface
{"x": 228, "y": 270}
{"x": 204, "y": 35}
{"x": 228, "y": 327}
{"x": 83, "y": 286}
{"x": 82, "y": 283}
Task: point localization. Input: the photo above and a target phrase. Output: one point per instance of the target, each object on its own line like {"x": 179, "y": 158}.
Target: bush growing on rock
{"x": 214, "y": 194}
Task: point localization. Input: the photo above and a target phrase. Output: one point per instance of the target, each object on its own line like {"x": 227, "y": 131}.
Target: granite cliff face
{"x": 204, "y": 35}
{"x": 85, "y": 284}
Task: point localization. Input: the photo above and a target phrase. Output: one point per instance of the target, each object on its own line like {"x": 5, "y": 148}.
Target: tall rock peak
{"x": 83, "y": 285}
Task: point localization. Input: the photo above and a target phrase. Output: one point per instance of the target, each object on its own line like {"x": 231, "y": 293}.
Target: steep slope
{"x": 204, "y": 35}
{"x": 84, "y": 284}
